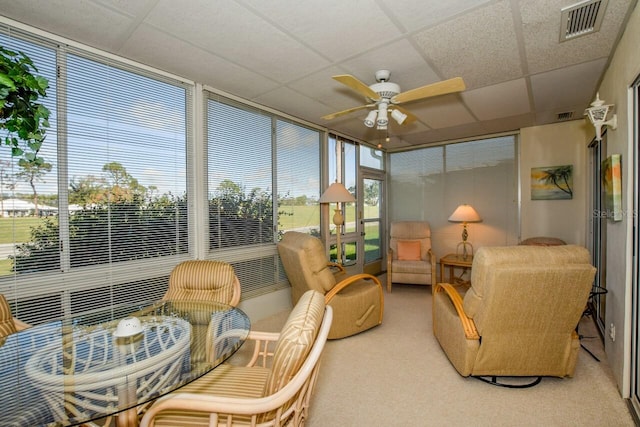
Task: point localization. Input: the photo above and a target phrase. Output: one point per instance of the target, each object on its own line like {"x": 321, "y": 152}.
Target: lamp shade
{"x": 465, "y": 213}
{"x": 336, "y": 193}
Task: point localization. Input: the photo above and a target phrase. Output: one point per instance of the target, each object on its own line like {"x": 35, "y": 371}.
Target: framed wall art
{"x": 552, "y": 182}
{"x": 612, "y": 186}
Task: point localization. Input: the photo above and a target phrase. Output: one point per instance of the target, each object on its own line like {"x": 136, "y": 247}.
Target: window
{"x": 263, "y": 180}
{"x": 298, "y": 178}
{"x": 240, "y": 182}
{"x": 429, "y": 183}
{"x": 112, "y": 191}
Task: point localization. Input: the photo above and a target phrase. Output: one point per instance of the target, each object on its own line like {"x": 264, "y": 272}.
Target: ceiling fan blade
{"x": 357, "y": 85}
{"x": 455, "y": 84}
{"x": 410, "y": 117}
{"x": 345, "y": 112}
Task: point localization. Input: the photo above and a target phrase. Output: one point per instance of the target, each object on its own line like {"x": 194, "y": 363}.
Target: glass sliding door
{"x": 372, "y": 223}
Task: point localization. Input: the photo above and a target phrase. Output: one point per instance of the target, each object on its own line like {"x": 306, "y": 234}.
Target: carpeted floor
{"x": 397, "y": 375}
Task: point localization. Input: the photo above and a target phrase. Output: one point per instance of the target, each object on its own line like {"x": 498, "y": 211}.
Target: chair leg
{"x": 494, "y": 381}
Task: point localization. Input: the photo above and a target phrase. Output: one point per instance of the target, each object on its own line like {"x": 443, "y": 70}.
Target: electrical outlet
{"x": 612, "y": 332}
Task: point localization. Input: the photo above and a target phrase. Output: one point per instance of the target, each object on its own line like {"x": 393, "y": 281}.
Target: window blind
{"x": 298, "y": 178}
{"x": 429, "y": 183}
{"x": 114, "y": 199}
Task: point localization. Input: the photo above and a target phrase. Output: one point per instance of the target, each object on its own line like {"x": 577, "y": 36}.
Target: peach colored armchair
{"x": 357, "y": 301}
{"x": 410, "y": 258}
{"x": 519, "y": 316}
{"x": 273, "y": 389}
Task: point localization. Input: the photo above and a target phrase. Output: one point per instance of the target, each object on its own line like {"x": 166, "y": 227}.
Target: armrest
{"x": 20, "y": 325}
{"x": 348, "y": 281}
{"x": 469, "y": 327}
{"x": 432, "y": 258}
{"x": 262, "y": 351}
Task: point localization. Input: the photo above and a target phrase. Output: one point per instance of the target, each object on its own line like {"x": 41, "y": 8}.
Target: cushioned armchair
{"x": 519, "y": 316}
{"x": 410, "y": 258}
{"x": 8, "y": 323}
{"x": 357, "y": 301}
{"x": 204, "y": 280}
{"x": 273, "y": 389}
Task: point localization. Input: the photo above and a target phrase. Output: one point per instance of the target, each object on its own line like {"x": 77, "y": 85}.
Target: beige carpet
{"x": 397, "y": 375}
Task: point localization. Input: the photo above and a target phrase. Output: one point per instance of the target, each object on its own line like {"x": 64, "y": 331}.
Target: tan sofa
{"x": 357, "y": 301}
{"x": 519, "y": 316}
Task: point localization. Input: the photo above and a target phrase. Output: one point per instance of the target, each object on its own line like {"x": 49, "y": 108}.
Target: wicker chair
{"x": 519, "y": 316}
{"x": 275, "y": 387}
{"x": 204, "y": 280}
{"x": 357, "y": 301}
{"x": 410, "y": 258}
{"x": 9, "y": 324}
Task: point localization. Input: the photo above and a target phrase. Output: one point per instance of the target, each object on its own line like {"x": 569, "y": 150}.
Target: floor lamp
{"x": 337, "y": 193}
{"x": 465, "y": 214}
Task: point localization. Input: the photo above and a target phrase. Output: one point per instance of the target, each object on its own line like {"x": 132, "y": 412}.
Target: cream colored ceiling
{"x": 282, "y": 54}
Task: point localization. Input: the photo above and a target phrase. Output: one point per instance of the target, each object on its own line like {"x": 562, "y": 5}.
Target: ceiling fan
{"x": 385, "y": 97}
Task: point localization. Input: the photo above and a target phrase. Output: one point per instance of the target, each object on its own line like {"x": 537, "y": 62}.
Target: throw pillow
{"x": 408, "y": 250}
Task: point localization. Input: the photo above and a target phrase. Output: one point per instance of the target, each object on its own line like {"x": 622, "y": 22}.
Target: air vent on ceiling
{"x": 565, "y": 116}
{"x": 581, "y": 19}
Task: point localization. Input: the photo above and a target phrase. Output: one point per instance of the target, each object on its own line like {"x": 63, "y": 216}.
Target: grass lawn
{"x": 17, "y": 229}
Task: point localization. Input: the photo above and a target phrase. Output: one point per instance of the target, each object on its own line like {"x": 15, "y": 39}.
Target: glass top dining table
{"x": 107, "y": 366}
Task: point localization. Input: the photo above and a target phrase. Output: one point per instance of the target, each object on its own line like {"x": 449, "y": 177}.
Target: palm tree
{"x": 559, "y": 177}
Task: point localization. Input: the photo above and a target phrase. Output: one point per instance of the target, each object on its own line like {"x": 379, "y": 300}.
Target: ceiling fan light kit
{"x": 385, "y": 96}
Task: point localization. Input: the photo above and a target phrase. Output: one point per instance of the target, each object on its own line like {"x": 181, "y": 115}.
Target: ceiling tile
{"x": 484, "y": 40}
{"x": 338, "y": 37}
{"x": 441, "y": 112}
{"x": 86, "y": 22}
{"x": 162, "y": 51}
{"x": 572, "y": 82}
{"x": 414, "y": 15}
{"x": 500, "y": 100}
{"x": 236, "y": 34}
{"x": 541, "y": 32}
{"x": 408, "y": 68}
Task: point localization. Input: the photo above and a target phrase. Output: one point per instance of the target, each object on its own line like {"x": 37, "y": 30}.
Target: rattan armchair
{"x": 273, "y": 389}
{"x": 8, "y": 323}
{"x": 519, "y": 317}
{"x": 204, "y": 280}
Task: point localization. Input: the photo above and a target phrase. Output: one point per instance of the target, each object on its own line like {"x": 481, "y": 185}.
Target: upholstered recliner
{"x": 357, "y": 301}
{"x": 273, "y": 389}
{"x": 410, "y": 258}
{"x": 519, "y": 317}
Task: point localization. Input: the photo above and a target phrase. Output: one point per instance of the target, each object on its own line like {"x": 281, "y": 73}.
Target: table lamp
{"x": 337, "y": 193}
{"x": 465, "y": 214}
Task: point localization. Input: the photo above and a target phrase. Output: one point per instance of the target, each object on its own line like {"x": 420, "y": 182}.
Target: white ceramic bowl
{"x": 127, "y": 327}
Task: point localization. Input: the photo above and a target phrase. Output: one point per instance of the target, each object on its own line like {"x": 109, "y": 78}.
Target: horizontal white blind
{"x": 298, "y": 178}
{"x": 429, "y": 183}
{"x": 115, "y": 196}
{"x": 239, "y": 175}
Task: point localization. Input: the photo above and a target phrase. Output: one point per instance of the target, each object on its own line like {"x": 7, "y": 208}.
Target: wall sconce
{"x": 597, "y": 114}
{"x": 465, "y": 214}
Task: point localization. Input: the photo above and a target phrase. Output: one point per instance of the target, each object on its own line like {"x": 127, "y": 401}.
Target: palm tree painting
{"x": 552, "y": 183}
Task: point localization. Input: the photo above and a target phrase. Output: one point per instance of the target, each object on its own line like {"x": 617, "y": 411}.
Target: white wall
{"x": 622, "y": 72}
{"x": 555, "y": 145}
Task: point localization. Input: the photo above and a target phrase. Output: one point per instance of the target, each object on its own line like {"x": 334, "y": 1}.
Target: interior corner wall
{"x": 558, "y": 144}
{"x": 621, "y": 74}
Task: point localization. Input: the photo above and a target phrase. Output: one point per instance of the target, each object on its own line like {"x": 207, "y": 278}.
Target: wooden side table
{"x": 455, "y": 261}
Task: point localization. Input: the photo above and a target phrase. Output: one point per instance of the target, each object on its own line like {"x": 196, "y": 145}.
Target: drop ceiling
{"x": 282, "y": 54}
